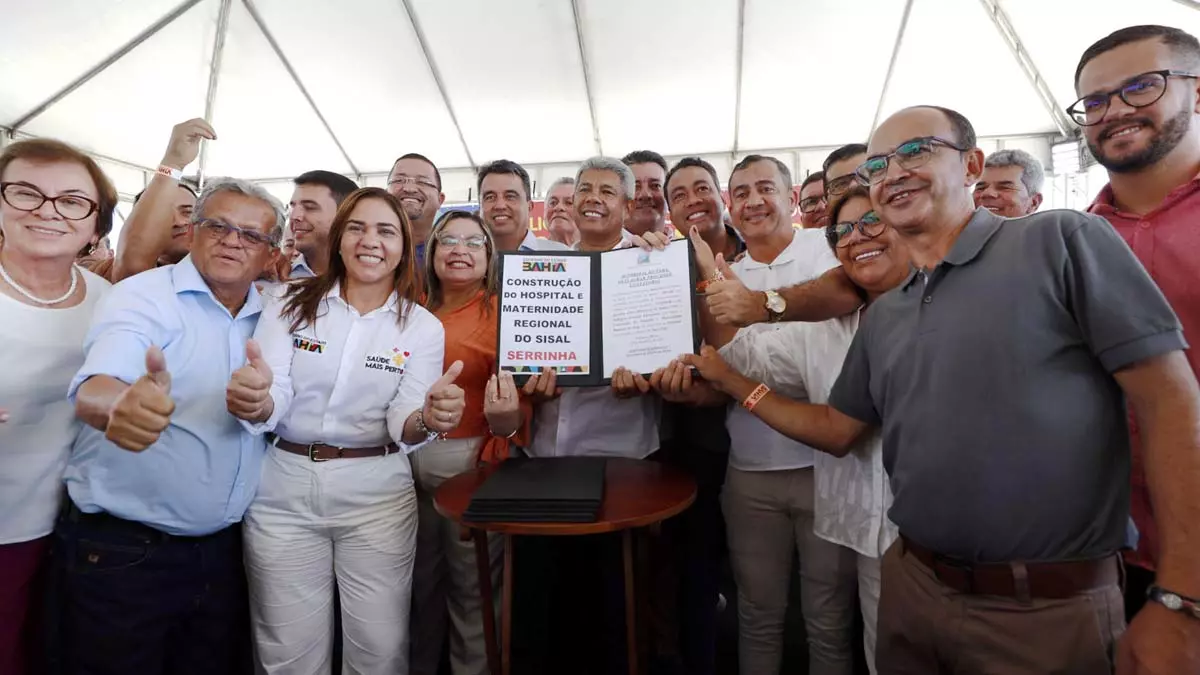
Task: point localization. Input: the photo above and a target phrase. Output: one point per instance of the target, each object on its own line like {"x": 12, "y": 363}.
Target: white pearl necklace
{"x": 40, "y": 301}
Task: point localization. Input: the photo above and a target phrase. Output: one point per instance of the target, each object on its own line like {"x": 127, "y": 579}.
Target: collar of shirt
{"x": 787, "y": 255}
{"x": 392, "y": 305}
{"x": 978, "y": 232}
{"x": 529, "y": 243}
{"x": 186, "y": 279}
{"x": 300, "y": 268}
{"x": 625, "y": 242}
{"x": 1105, "y": 204}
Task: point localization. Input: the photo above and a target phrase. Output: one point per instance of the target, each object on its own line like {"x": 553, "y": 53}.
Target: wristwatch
{"x": 776, "y": 306}
{"x": 1174, "y": 601}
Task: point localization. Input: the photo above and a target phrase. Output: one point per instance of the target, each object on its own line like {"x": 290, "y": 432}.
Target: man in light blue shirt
{"x": 504, "y": 205}
{"x": 162, "y": 473}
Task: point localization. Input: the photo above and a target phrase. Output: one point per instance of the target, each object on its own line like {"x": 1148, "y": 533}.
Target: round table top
{"x": 637, "y": 493}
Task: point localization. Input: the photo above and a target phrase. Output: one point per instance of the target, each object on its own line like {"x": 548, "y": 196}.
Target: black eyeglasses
{"x": 811, "y": 204}
{"x": 25, "y": 197}
{"x": 219, "y": 230}
{"x": 838, "y": 186}
{"x": 869, "y": 225}
{"x": 911, "y": 154}
{"x": 1137, "y": 92}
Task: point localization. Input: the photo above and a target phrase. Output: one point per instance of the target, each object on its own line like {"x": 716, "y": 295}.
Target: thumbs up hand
{"x": 248, "y": 395}
{"x": 143, "y": 411}
{"x": 445, "y": 402}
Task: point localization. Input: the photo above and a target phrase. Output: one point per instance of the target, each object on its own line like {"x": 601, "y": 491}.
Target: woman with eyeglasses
{"x": 460, "y": 266}
{"x": 54, "y": 203}
{"x": 852, "y": 492}
{"x": 347, "y": 373}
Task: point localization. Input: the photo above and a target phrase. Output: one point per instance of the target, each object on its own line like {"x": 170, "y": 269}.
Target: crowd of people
{"x": 973, "y": 422}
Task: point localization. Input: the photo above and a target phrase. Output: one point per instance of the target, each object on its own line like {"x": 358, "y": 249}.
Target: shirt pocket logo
{"x": 389, "y": 362}
{"x": 308, "y": 344}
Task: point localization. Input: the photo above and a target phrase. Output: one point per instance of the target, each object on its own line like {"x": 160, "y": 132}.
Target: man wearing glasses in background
{"x": 839, "y": 169}
{"x": 149, "y": 544}
{"x": 417, "y": 183}
{"x": 1138, "y": 112}
{"x": 1011, "y": 185}
{"x": 812, "y": 201}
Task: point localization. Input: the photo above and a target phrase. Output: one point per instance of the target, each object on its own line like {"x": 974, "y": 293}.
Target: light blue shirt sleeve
{"x": 125, "y": 325}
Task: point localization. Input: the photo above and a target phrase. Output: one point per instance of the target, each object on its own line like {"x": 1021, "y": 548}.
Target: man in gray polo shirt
{"x": 998, "y": 373}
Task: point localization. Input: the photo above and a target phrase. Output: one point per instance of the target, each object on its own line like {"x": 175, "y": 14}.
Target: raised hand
{"x": 502, "y": 404}
{"x": 706, "y": 264}
{"x": 445, "y": 402}
{"x": 143, "y": 411}
{"x": 730, "y": 302}
{"x": 248, "y": 394}
{"x": 184, "y": 146}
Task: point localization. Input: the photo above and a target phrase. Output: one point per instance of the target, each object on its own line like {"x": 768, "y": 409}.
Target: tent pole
{"x": 891, "y": 69}
{"x": 103, "y": 65}
{"x": 737, "y": 101}
{"x": 1009, "y": 34}
{"x": 587, "y": 79}
{"x": 437, "y": 77}
{"x": 262, "y": 27}
{"x": 214, "y": 75}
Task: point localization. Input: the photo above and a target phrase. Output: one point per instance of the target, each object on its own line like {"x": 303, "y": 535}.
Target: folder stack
{"x": 540, "y": 489}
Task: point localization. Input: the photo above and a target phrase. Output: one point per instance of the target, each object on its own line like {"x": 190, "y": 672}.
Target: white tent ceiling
{"x": 292, "y": 85}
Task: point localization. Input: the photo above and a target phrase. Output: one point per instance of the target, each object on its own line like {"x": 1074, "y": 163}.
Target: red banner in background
{"x": 540, "y": 228}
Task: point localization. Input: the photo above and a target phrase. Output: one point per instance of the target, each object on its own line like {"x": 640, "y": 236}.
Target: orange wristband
{"x": 755, "y": 396}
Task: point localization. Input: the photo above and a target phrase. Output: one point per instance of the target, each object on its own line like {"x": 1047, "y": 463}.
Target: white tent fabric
{"x": 293, "y": 85}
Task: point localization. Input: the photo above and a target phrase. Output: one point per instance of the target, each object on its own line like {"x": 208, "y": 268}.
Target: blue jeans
{"x": 131, "y": 599}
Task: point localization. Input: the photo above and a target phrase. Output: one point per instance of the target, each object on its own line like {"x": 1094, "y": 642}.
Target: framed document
{"x": 587, "y": 314}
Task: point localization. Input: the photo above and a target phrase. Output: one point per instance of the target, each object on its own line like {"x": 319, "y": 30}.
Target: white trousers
{"x": 446, "y": 578}
{"x": 353, "y": 521}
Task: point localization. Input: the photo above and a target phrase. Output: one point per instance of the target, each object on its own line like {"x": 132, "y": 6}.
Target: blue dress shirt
{"x": 203, "y": 471}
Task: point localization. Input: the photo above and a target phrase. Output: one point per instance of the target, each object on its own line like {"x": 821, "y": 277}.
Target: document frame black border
{"x": 596, "y": 341}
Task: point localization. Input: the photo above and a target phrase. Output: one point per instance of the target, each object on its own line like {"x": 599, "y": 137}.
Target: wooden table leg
{"x": 630, "y": 606}
{"x": 483, "y": 563}
{"x": 506, "y": 606}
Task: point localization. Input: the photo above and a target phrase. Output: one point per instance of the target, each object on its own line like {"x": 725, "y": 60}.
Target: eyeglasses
{"x": 219, "y": 230}
{"x": 1137, "y": 92}
{"x": 24, "y": 197}
{"x": 811, "y": 204}
{"x": 869, "y": 225}
{"x": 838, "y": 186}
{"x": 401, "y": 179}
{"x": 911, "y": 155}
{"x": 474, "y": 242}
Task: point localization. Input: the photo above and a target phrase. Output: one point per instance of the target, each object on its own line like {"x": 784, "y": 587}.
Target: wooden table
{"x": 637, "y": 493}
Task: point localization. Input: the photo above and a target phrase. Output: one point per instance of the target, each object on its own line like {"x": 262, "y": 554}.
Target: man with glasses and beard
{"x": 1138, "y": 112}
{"x": 417, "y": 183}
{"x": 649, "y": 200}
{"x": 812, "y": 201}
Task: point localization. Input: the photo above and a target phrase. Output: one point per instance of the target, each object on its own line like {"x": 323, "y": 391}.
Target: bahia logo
{"x": 551, "y": 265}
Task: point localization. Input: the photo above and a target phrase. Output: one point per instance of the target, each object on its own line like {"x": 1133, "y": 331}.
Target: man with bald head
{"x": 999, "y": 373}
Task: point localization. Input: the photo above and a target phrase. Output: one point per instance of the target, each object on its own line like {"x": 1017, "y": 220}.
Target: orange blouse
{"x": 472, "y": 337}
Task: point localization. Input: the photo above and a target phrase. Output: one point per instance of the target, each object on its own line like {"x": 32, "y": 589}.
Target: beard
{"x": 1166, "y": 139}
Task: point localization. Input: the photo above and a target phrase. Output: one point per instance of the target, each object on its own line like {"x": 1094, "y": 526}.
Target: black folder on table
{"x": 540, "y": 489}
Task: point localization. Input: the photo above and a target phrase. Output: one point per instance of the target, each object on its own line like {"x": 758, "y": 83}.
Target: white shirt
{"x": 42, "y": 350}
{"x": 754, "y": 446}
{"x": 351, "y": 380}
{"x": 852, "y": 492}
{"x": 592, "y": 421}
{"x": 532, "y": 242}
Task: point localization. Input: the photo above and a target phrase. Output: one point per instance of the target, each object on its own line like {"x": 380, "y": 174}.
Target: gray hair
{"x": 565, "y": 180}
{"x": 242, "y": 187}
{"x": 602, "y": 163}
{"x": 1032, "y": 174}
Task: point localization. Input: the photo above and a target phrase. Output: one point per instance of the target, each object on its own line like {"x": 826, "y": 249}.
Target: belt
{"x": 110, "y": 523}
{"x": 1024, "y": 581}
{"x": 320, "y": 452}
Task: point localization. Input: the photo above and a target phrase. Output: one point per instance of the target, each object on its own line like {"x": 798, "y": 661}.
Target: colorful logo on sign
{"x": 543, "y": 266}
